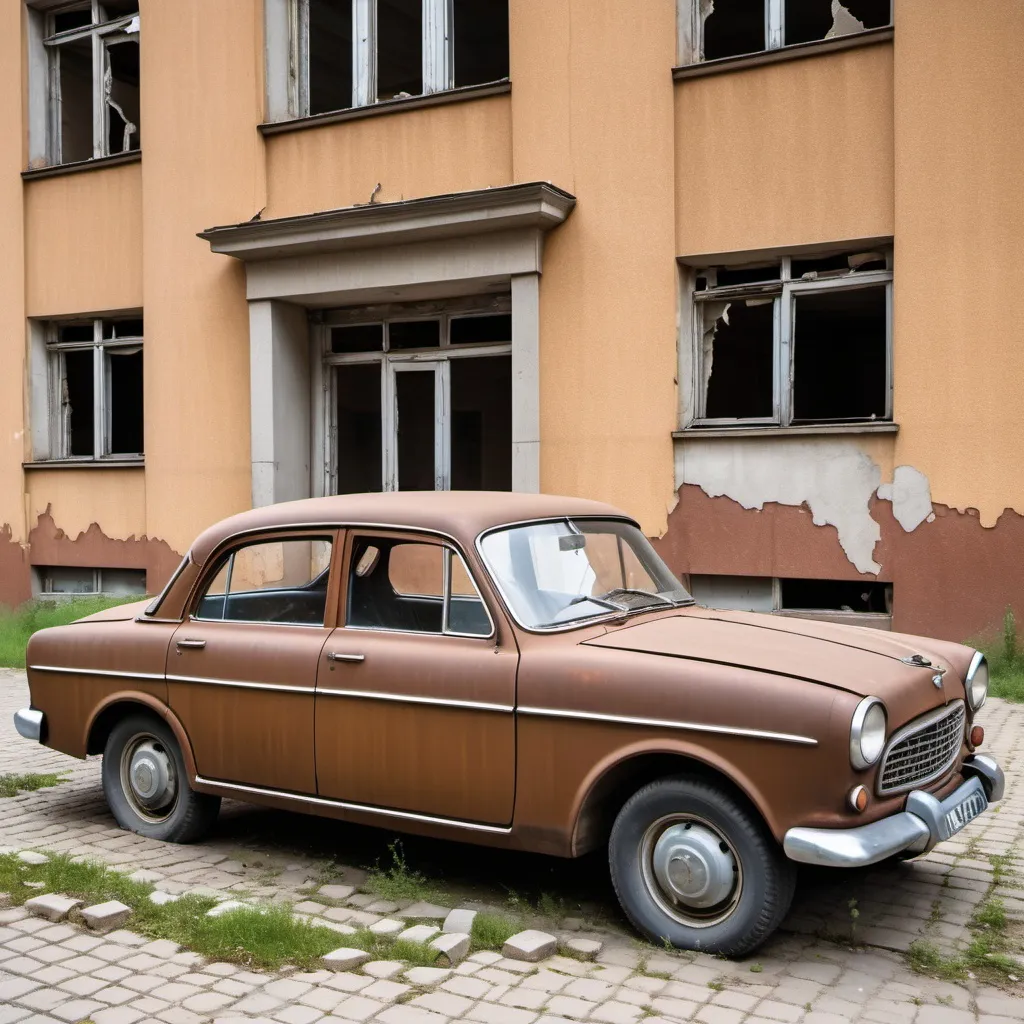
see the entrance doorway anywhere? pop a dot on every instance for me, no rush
(420, 397)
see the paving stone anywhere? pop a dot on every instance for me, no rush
(387, 926)
(83, 985)
(207, 1002)
(76, 1009)
(568, 1006)
(385, 991)
(427, 976)
(161, 898)
(445, 1003)
(105, 917)
(423, 911)
(531, 946)
(52, 906)
(495, 1013)
(82, 943)
(118, 1015)
(459, 920)
(31, 857)
(142, 875)
(336, 892)
(383, 968)
(614, 1012)
(471, 988)
(418, 933)
(226, 907)
(344, 959)
(452, 947)
(586, 949)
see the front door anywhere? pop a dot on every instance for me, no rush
(241, 669)
(416, 693)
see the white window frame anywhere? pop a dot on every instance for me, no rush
(59, 420)
(45, 582)
(690, 26)
(783, 291)
(435, 360)
(102, 34)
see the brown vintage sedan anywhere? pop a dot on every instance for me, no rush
(520, 671)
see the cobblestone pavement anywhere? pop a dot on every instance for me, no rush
(824, 967)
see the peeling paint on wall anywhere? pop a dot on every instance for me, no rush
(911, 497)
(834, 479)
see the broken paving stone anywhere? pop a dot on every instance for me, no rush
(387, 926)
(31, 857)
(226, 907)
(427, 977)
(105, 917)
(531, 946)
(162, 898)
(52, 906)
(452, 946)
(420, 933)
(425, 912)
(585, 949)
(459, 921)
(344, 959)
(383, 969)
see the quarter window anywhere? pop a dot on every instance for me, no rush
(281, 581)
(413, 586)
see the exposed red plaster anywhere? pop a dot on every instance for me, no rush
(15, 581)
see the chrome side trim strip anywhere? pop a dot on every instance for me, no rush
(241, 684)
(320, 801)
(658, 723)
(402, 698)
(96, 672)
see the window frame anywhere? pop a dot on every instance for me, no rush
(690, 32)
(356, 534)
(102, 408)
(98, 572)
(783, 291)
(51, 41)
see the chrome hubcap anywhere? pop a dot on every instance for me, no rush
(148, 777)
(691, 870)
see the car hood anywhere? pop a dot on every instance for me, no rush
(857, 659)
(119, 613)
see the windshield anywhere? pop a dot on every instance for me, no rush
(558, 573)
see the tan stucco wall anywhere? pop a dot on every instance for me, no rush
(959, 339)
(202, 165)
(786, 154)
(96, 212)
(591, 92)
(432, 151)
(76, 499)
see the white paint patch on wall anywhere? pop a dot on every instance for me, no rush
(835, 479)
(911, 497)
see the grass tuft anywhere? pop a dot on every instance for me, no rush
(1005, 660)
(18, 624)
(12, 785)
(991, 914)
(399, 883)
(492, 931)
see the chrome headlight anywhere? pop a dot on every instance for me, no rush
(976, 683)
(867, 733)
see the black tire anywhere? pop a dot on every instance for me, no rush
(177, 814)
(763, 879)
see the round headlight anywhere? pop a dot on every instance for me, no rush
(976, 683)
(867, 733)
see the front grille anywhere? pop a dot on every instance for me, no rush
(922, 751)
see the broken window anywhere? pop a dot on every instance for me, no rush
(731, 28)
(811, 346)
(352, 53)
(96, 370)
(93, 52)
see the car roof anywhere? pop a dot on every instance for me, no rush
(462, 514)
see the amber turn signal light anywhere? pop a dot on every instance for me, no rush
(858, 798)
(977, 736)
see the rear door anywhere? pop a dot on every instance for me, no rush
(241, 669)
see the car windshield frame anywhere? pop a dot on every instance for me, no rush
(600, 614)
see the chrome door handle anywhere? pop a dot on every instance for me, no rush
(197, 645)
(334, 656)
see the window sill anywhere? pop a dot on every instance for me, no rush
(84, 464)
(818, 47)
(813, 430)
(436, 99)
(95, 164)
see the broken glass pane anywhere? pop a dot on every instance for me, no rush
(399, 48)
(77, 403)
(747, 275)
(121, 91)
(124, 383)
(67, 20)
(481, 41)
(732, 27)
(75, 73)
(738, 359)
(809, 20)
(330, 55)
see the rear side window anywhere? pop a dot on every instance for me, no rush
(282, 581)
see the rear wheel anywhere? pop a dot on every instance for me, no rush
(693, 865)
(146, 784)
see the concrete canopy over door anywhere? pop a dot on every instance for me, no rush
(439, 247)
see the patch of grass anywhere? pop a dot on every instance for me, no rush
(990, 914)
(492, 931)
(551, 906)
(1005, 657)
(756, 968)
(983, 959)
(399, 883)
(12, 785)
(18, 624)
(715, 986)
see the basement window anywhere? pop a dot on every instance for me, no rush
(96, 389)
(353, 53)
(92, 53)
(863, 602)
(713, 29)
(74, 581)
(802, 341)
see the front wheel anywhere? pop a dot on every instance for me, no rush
(693, 866)
(146, 784)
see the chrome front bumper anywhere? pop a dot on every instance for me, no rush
(917, 828)
(30, 723)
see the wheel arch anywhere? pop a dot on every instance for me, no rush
(616, 778)
(117, 706)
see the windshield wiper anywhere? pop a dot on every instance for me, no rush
(580, 598)
(639, 593)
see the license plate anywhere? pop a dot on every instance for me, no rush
(964, 812)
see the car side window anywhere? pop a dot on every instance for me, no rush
(413, 586)
(281, 581)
